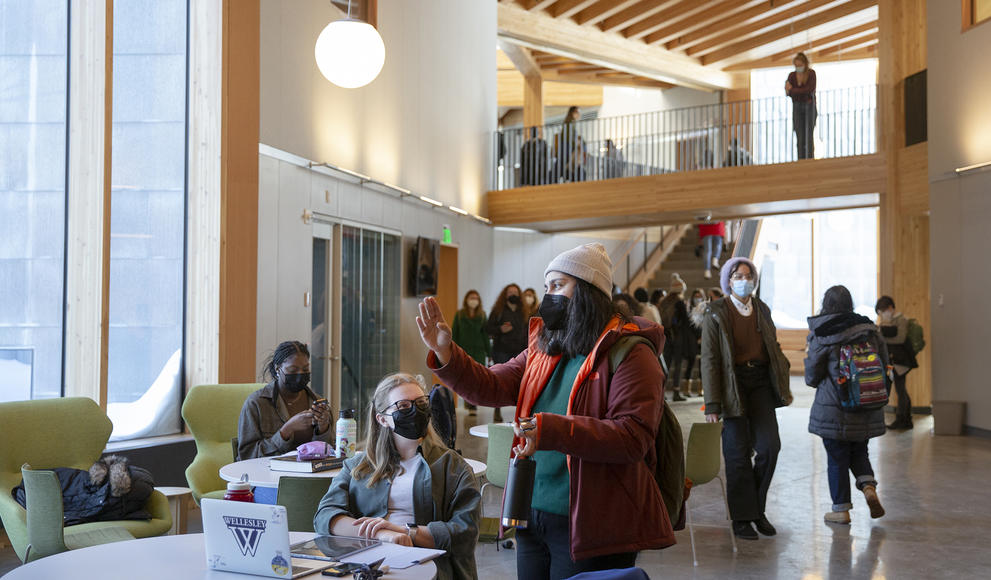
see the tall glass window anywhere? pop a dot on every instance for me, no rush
(33, 103)
(801, 255)
(147, 217)
(370, 286)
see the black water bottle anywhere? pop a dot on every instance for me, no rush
(519, 492)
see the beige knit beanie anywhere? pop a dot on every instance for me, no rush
(590, 263)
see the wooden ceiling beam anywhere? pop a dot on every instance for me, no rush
(700, 21)
(537, 5)
(602, 10)
(757, 24)
(674, 14)
(726, 23)
(521, 58)
(564, 37)
(635, 13)
(848, 46)
(782, 58)
(567, 8)
(856, 47)
(789, 29)
(595, 79)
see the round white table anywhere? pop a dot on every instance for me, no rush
(483, 430)
(158, 558)
(260, 475)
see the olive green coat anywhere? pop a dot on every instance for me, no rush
(722, 395)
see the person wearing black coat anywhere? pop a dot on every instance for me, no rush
(508, 328)
(844, 433)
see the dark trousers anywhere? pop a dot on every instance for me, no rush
(544, 551)
(755, 434)
(803, 118)
(843, 457)
(903, 412)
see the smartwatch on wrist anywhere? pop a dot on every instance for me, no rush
(411, 531)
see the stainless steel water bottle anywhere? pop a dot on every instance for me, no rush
(519, 492)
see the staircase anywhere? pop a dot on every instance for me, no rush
(683, 261)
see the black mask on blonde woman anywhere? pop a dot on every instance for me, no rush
(412, 423)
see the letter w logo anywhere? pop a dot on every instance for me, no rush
(247, 533)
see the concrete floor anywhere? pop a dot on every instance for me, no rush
(933, 488)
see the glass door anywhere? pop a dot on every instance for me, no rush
(321, 319)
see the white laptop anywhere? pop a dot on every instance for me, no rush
(251, 538)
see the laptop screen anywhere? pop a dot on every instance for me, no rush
(332, 548)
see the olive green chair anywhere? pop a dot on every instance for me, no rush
(301, 496)
(496, 472)
(702, 466)
(45, 517)
(63, 432)
(211, 413)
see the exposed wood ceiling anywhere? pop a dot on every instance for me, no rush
(708, 44)
(556, 94)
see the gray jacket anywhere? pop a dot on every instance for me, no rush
(262, 416)
(722, 395)
(828, 419)
(445, 500)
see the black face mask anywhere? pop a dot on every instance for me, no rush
(295, 383)
(412, 423)
(554, 311)
(514, 300)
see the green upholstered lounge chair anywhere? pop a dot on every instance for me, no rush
(301, 496)
(64, 432)
(211, 413)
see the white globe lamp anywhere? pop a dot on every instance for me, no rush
(350, 53)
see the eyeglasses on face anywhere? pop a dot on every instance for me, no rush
(406, 404)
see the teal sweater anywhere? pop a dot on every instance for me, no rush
(469, 334)
(552, 484)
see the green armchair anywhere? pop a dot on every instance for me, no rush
(211, 412)
(65, 432)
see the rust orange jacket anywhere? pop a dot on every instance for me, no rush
(608, 433)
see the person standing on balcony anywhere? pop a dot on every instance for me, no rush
(745, 377)
(711, 236)
(801, 87)
(533, 159)
(569, 149)
(508, 328)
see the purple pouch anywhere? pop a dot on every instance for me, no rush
(314, 450)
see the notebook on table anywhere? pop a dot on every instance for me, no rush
(251, 538)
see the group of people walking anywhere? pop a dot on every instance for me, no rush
(590, 422)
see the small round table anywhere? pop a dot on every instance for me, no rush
(158, 558)
(266, 480)
(483, 430)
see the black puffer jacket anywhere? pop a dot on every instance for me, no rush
(828, 419)
(96, 500)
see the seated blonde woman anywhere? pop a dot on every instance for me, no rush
(406, 487)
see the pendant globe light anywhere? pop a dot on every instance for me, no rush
(350, 53)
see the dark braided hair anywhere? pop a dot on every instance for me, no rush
(279, 356)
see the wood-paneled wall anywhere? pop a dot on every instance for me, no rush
(904, 235)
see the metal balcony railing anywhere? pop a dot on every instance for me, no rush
(755, 132)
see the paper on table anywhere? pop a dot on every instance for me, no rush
(396, 557)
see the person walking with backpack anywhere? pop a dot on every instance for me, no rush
(847, 364)
(895, 330)
(745, 377)
(591, 426)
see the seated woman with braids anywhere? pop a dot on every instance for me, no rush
(285, 413)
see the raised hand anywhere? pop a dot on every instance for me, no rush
(434, 330)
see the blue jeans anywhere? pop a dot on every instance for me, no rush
(844, 456)
(712, 247)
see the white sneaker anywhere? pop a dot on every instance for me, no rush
(715, 263)
(707, 274)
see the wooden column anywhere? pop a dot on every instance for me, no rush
(88, 256)
(239, 193)
(533, 100)
(904, 231)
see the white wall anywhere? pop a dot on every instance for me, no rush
(960, 241)
(424, 123)
(618, 101)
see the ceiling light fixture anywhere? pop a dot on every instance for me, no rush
(349, 53)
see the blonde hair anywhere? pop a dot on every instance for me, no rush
(381, 458)
(801, 56)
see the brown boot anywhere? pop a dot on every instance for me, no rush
(870, 494)
(841, 517)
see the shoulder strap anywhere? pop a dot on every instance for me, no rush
(617, 354)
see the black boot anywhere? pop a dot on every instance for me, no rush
(744, 530)
(677, 396)
(763, 526)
